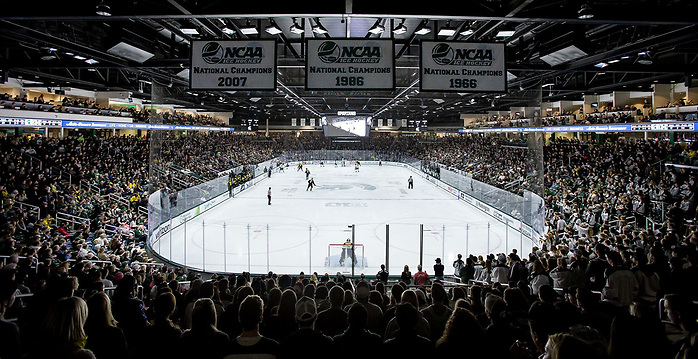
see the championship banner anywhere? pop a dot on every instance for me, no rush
(452, 66)
(233, 65)
(357, 64)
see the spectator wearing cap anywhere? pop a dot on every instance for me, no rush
(306, 313)
(346, 343)
(438, 270)
(251, 343)
(333, 321)
(406, 342)
(375, 313)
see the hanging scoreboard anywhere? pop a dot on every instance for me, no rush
(243, 65)
(350, 64)
(452, 66)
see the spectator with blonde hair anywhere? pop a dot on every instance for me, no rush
(64, 331)
(104, 338)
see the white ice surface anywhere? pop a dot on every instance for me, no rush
(293, 233)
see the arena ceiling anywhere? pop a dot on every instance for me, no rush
(652, 41)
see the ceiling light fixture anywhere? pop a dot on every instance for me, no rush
(644, 58)
(447, 30)
(319, 29)
(400, 28)
(295, 28)
(585, 12)
(189, 31)
(467, 32)
(601, 65)
(228, 31)
(91, 61)
(102, 9)
(78, 57)
(248, 29)
(377, 29)
(48, 53)
(273, 29)
(423, 30)
(505, 33)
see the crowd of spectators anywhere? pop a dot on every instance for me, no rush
(592, 287)
(88, 107)
(66, 105)
(178, 118)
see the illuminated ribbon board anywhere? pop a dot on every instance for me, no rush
(139, 126)
(350, 64)
(640, 127)
(233, 65)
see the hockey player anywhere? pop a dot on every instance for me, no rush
(307, 173)
(300, 166)
(346, 251)
(410, 183)
(356, 166)
(269, 196)
(311, 184)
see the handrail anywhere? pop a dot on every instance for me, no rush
(93, 188)
(31, 158)
(31, 207)
(113, 197)
(73, 220)
(34, 264)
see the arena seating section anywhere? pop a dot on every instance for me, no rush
(595, 283)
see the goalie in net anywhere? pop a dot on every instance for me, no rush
(340, 255)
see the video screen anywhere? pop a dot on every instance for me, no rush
(337, 126)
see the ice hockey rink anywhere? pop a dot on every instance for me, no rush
(303, 230)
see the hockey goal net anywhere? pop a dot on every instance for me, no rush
(339, 255)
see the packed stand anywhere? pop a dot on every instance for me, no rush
(591, 289)
(67, 105)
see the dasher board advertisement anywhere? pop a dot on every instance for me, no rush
(352, 64)
(452, 66)
(233, 65)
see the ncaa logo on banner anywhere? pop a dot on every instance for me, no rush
(330, 52)
(443, 54)
(214, 53)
